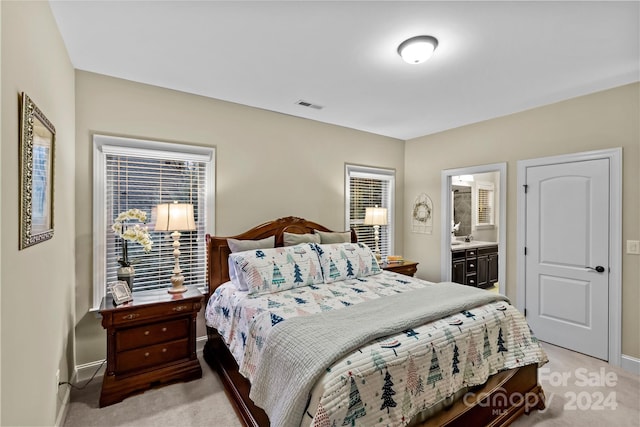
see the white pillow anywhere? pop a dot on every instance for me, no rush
(233, 277)
(341, 261)
(264, 271)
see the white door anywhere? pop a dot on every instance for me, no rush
(567, 254)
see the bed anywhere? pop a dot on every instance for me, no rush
(475, 366)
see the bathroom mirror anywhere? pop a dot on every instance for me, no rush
(474, 205)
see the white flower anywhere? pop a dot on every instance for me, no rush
(135, 233)
(136, 214)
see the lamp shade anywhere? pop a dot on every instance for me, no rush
(375, 216)
(175, 217)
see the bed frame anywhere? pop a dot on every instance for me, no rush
(503, 398)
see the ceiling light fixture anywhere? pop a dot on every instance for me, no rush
(417, 49)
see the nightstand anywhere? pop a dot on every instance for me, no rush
(151, 341)
(408, 268)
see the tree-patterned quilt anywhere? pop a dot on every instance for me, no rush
(390, 380)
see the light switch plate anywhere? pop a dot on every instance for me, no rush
(633, 247)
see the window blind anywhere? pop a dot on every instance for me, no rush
(369, 188)
(142, 182)
(485, 206)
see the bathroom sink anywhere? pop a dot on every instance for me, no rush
(474, 244)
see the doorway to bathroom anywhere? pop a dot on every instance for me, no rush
(473, 244)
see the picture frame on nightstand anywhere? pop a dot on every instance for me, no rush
(120, 292)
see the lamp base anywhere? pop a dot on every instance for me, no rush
(177, 280)
(177, 286)
(376, 235)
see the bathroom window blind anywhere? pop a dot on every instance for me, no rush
(484, 205)
(143, 174)
(370, 187)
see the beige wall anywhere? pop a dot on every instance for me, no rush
(38, 283)
(269, 165)
(602, 120)
(0, 219)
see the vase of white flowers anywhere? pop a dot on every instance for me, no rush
(130, 232)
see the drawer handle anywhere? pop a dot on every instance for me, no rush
(471, 265)
(130, 316)
(180, 308)
(146, 332)
(146, 354)
(164, 329)
(164, 350)
(471, 281)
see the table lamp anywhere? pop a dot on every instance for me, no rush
(376, 216)
(175, 217)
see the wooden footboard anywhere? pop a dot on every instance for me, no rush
(503, 398)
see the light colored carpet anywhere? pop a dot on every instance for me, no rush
(593, 393)
(203, 402)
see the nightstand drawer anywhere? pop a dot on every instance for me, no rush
(135, 314)
(151, 334)
(153, 355)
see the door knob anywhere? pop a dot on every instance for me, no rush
(598, 268)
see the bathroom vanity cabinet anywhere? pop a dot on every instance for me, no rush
(487, 266)
(475, 266)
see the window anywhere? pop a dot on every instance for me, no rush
(369, 187)
(484, 204)
(131, 173)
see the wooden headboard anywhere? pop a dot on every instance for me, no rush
(218, 250)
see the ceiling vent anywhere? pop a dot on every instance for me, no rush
(309, 104)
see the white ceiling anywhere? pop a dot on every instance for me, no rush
(493, 58)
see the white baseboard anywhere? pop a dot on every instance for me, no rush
(86, 370)
(64, 404)
(630, 364)
(200, 342)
